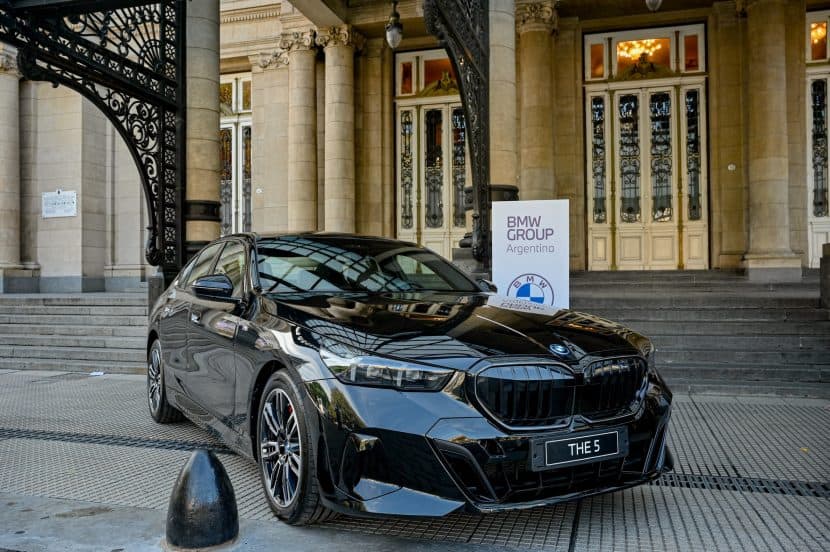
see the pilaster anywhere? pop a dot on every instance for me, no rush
(9, 167)
(202, 144)
(770, 256)
(503, 116)
(339, 44)
(535, 23)
(302, 129)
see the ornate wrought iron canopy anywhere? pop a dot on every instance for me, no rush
(128, 58)
(462, 26)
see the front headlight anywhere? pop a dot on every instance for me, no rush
(375, 371)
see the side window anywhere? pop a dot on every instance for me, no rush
(232, 264)
(202, 264)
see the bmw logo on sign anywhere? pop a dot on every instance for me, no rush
(531, 287)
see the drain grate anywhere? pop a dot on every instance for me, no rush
(745, 484)
(166, 444)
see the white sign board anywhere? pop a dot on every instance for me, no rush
(59, 204)
(530, 251)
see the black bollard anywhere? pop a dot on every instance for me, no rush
(202, 510)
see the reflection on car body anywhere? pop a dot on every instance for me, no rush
(370, 376)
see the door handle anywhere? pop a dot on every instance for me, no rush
(195, 317)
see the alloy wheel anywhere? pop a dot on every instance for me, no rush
(280, 447)
(154, 379)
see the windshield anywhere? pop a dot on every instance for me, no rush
(338, 264)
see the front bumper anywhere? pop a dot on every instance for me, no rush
(428, 454)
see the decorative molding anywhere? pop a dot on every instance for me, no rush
(298, 40)
(8, 62)
(250, 14)
(536, 16)
(270, 60)
(340, 35)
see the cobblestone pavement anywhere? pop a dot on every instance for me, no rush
(752, 473)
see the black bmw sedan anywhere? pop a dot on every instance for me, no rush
(370, 376)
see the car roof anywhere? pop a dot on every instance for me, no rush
(327, 236)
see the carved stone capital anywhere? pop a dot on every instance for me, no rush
(8, 62)
(298, 40)
(536, 16)
(341, 35)
(270, 60)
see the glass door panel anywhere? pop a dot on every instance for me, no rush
(818, 212)
(644, 206)
(431, 175)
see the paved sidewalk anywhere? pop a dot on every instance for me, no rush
(83, 467)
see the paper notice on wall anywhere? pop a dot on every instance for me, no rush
(59, 204)
(531, 251)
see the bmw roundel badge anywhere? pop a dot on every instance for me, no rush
(558, 349)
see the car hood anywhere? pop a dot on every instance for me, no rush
(452, 329)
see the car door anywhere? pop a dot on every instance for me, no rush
(173, 319)
(210, 339)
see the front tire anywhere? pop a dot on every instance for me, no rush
(161, 410)
(287, 454)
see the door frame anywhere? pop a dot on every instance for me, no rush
(690, 239)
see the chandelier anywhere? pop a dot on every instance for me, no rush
(818, 31)
(634, 49)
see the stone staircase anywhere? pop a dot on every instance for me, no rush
(87, 332)
(716, 332)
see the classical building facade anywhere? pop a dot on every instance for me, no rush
(692, 137)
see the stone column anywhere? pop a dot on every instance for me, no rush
(202, 178)
(503, 136)
(770, 256)
(370, 184)
(535, 22)
(9, 166)
(339, 44)
(302, 130)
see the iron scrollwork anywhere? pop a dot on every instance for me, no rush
(129, 62)
(462, 27)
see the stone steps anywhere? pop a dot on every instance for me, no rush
(90, 332)
(73, 319)
(72, 353)
(108, 367)
(708, 315)
(716, 332)
(731, 327)
(85, 341)
(69, 330)
(96, 310)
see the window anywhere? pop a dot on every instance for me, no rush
(232, 264)
(300, 264)
(203, 264)
(644, 53)
(235, 153)
(817, 37)
(427, 73)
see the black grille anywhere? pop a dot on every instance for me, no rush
(610, 388)
(527, 395)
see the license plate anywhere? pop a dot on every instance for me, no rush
(579, 449)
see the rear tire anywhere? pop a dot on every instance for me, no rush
(287, 454)
(161, 410)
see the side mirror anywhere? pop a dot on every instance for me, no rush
(487, 285)
(217, 287)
